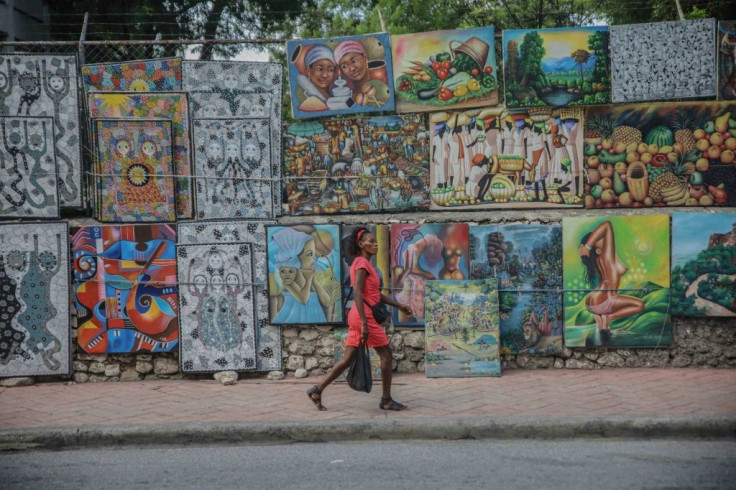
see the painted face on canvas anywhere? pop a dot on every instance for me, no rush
(148, 148)
(216, 261)
(322, 73)
(123, 148)
(56, 83)
(232, 150)
(306, 258)
(210, 110)
(231, 81)
(354, 66)
(214, 150)
(288, 275)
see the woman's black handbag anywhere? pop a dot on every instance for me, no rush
(380, 312)
(359, 375)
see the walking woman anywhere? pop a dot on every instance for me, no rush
(362, 327)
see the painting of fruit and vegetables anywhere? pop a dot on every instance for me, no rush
(356, 165)
(669, 154)
(616, 279)
(445, 69)
(557, 67)
(494, 158)
(663, 60)
(704, 264)
(526, 259)
(461, 330)
(727, 60)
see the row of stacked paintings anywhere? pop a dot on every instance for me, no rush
(455, 69)
(592, 282)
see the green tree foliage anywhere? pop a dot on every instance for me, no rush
(581, 57)
(598, 44)
(530, 59)
(512, 62)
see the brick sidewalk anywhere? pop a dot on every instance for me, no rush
(541, 393)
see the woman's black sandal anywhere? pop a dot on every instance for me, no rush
(391, 404)
(315, 394)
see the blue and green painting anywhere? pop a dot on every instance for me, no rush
(461, 329)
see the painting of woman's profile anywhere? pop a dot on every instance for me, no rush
(340, 75)
(304, 274)
(616, 280)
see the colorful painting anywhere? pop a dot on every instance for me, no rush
(423, 253)
(727, 60)
(304, 274)
(669, 154)
(172, 106)
(557, 67)
(125, 288)
(268, 337)
(494, 158)
(362, 165)
(232, 167)
(340, 75)
(217, 307)
(663, 60)
(617, 281)
(461, 329)
(704, 264)
(340, 335)
(156, 75)
(46, 85)
(240, 89)
(34, 294)
(134, 164)
(28, 173)
(526, 260)
(442, 70)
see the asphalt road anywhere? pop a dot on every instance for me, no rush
(600, 464)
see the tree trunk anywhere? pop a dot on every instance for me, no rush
(212, 22)
(582, 80)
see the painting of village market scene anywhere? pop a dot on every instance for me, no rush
(727, 60)
(461, 329)
(442, 70)
(557, 67)
(704, 264)
(340, 75)
(668, 154)
(494, 158)
(356, 165)
(527, 262)
(616, 278)
(421, 254)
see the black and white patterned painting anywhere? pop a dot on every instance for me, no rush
(46, 85)
(217, 314)
(34, 299)
(232, 168)
(268, 337)
(239, 89)
(663, 60)
(28, 168)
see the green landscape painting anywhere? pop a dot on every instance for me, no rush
(704, 264)
(557, 67)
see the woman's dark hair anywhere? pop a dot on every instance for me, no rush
(591, 274)
(355, 237)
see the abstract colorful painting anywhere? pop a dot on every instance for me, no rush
(526, 260)
(423, 253)
(340, 75)
(461, 329)
(126, 292)
(667, 154)
(441, 70)
(304, 274)
(557, 67)
(360, 165)
(46, 85)
(34, 294)
(616, 275)
(663, 60)
(134, 165)
(232, 168)
(494, 158)
(133, 76)
(172, 106)
(217, 307)
(268, 337)
(28, 173)
(727, 60)
(241, 89)
(340, 335)
(704, 264)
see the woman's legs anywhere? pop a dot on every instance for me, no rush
(315, 393)
(623, 307)
(387, 403)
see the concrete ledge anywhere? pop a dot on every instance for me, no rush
(357, 430)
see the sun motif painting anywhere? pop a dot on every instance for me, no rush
(133, 76)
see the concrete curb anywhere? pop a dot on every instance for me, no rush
(358, 430)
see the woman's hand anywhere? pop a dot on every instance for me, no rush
(584, 251)
(405, 309)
